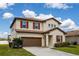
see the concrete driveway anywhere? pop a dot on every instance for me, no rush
(39, 51)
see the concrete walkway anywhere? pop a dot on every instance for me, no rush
(3, 42)
(39, 51)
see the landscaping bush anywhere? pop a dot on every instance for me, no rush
(16, 43)
(74, 43)
(10, 44)
(58, 44)
(63, 44)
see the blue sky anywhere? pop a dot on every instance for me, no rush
(68, 14)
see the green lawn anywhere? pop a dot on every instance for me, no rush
(72, 49)
(6, 51)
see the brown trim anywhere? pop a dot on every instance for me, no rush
(39, 32)
(72, 35)
(33, 24)
(32, 19)
(39, 25)
(27, 24)
(32, 37)
(12, 22)
(21, 24)
(28, 31)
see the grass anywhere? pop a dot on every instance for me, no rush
(71, 49)
(3, 39)
(6, 51)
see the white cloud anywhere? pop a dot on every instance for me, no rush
(32, 14)
(44, 16)
(4, 34)
(10, 4)
(5, 5)
(69, 25)
(57, 5)
(7, 15)
(59, 19)
(29, 13)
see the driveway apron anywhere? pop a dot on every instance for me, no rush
(39, 51)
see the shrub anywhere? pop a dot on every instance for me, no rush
(58, 45)
(63, 44)
(74, 43)
(16, 43)
(10, 44)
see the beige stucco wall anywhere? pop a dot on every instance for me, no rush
(28, 35)
(54, 34)
(43, 25)
(13, 32)
(72, 39)
(51, 21)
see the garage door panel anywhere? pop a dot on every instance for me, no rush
(31, 41)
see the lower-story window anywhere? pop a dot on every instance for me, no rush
(59, 38)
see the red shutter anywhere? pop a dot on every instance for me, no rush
(21, 24)
(33, 25)
(26, 24)
(39, 25)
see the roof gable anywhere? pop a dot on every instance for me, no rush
(53, 19)
(55, 29)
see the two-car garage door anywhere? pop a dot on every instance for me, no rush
(31, 41)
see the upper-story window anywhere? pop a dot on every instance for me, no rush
(54, 26)
(51, 25)
(24, 24)
(36, 25)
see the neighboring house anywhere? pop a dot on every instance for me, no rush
(72, 36)
(36, 32)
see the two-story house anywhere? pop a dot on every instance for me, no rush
(36, 32)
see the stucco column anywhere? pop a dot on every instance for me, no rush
(54, 40)
(43, 42)
(46, 40)
(63, 38)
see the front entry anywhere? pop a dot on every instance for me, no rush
(50, 41)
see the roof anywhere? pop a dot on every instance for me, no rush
(73, 33)
(55, 29)
(40, 32)
(32, 19)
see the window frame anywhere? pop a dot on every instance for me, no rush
(24, 24)
(59, 38)
(36, 25)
